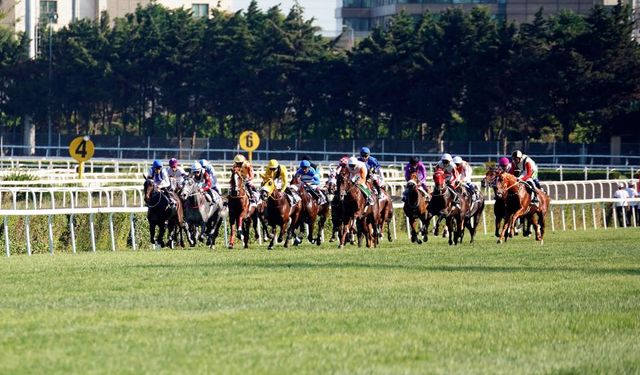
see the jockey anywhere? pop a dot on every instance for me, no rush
(505, 166)
(373, 168)
(311, 179)
(465, 171)
(277, 173)
(343, 163)
(452, 176)
(175, 172)
(202, 178)
(315, 166)
(246, 172)
(529, 172)
(358, 174)
(161, 180)
(415, 166)
(212, 174)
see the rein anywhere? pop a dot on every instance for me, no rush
(159, 199)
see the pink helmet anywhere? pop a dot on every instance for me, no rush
(344, 160)
(503, 162)
(173, 162)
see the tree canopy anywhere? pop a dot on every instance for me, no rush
(454, 75)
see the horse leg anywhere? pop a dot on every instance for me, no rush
(321, 222)
(232, 236)
(273, 236)
(541, 227)
(246, 227)
(152, 232)
(161, 230)
(412, 228)
(312, 223)
(345, 228)
(449, 224)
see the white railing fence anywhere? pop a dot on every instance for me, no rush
(566, 215)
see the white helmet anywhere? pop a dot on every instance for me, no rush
(517, 154)
(197, 166)
(457, 160)
(447, 157)
(353, 161)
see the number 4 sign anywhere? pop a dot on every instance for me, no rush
(81, 149)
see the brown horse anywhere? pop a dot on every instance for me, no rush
(385, 205)
(441, 205)
(241, 213)
(279, 213)
(310, 209)
(355, 211)
(498, 208)
(336, 206)
(517, 201)
(416, 206)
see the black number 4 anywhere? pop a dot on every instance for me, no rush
(82, 149)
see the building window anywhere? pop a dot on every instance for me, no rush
(200, 10)
(49, 8)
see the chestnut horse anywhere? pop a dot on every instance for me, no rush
(517, 201)
(310, 209)
(441, 205)
(355, 211)
(241, 213)
(415, 207)
(498, 208)
(279, 213)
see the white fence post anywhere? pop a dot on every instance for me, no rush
(6, 237)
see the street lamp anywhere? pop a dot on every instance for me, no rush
(52, 17)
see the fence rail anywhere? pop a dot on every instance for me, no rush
(576, 209)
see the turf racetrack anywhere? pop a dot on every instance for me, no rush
(572, 306)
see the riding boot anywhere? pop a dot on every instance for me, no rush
(456, 198)
(321, 198)
(370, 200)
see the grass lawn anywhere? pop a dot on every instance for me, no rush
(571, 306)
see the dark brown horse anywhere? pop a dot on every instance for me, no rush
(310, 209)
(441, 205)
(241, 213)
(416, 207)
(160, 212)
(518, 204)
(279, 213)
(355, 211)
(498, 208)
(385, 205)
(336, 206)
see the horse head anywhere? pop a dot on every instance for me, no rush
(148, 188)
(236, 185)
(506, 183)
(188, 186)
(490, 177)
(332, 182)
(268, 189)
(412, 183)
(439, 179)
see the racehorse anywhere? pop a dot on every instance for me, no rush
(385, 205)
(241, 213)
(416, 206)
(310, 209)
(159, 212)
(517, 201)
(441, 205)
(331, 188)
(279, 212)
(200, 213)
(499, 206)
(355, 210)
(474, 211)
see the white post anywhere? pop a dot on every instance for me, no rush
(593, 216)
(624, 217)
(6, 237)
(72, 232)
(226, 235)
(395, 233)
(133, 232)
(484, 222)
(564, 224)
(113, 239)
(408, 229)
(50, 235)
(553, 225)
(28, 234)
(92, 232)
(573, 215)
(584, 220)
(615, 216)
(604, 217)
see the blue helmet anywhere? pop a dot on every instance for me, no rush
(305, 164)
(157, 164)
(365, 151)
(204, 163)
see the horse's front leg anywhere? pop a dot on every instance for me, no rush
(161, 230)
(152, 233)
(412, 229)
(232, 236)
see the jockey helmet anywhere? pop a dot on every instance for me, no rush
(273, 164)
(344, 160)
(239, 159)
(173, 162)
(352, 162)
(457, 160)
(621, 185)
(517, 154)
(447, 157)
(305, 164)
(503, 162)
(365, 151)
(204, 163)
(197, 167)
(414, 160)
(157, 164)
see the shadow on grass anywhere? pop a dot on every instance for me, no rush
(420, 268)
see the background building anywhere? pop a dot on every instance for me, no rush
(26, 15)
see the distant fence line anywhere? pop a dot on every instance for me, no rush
(135, 147)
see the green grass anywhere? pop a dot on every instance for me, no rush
(571, 306)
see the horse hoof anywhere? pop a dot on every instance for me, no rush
(270, 248)
(341, 247)
(418, 241)
(499, 241)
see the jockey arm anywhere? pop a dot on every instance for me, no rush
(162, 180)
(527, 172)
(205, 184)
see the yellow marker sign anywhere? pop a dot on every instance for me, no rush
(249, 141)
(81, 149)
